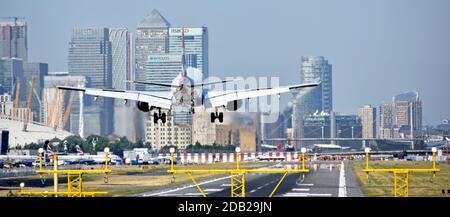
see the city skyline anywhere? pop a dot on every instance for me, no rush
(386, 47)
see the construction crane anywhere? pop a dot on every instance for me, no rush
(16, 101)
(52, 109)
(69, 108)
(28, 111)
(61, 105)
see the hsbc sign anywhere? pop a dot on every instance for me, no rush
(187, 31)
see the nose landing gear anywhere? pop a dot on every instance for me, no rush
(159, 116)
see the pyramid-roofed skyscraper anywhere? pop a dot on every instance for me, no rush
(154, 20)
(151, 38)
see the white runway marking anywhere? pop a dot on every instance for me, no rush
(342, 186)
(186, 187)
(301, 189)
(213, 189)
(306, 184)
(225, 185)
(253, 191)
(193, 194)
(293, 194)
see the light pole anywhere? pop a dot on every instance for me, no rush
(434, 150)
(303, 150)
(322, 132)
(22, 186)
(367, 150)
(238, 157)
(353, 135)
(106, 150)
(172, 151)
(41, 151)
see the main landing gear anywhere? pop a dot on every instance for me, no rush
(159, 116)
(216, 115)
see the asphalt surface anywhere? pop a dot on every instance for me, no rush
(325, 179)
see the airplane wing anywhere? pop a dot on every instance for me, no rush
(153, 100)
(221, 99)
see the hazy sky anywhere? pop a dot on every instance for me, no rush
(377, 48)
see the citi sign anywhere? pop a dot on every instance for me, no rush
(158, 58)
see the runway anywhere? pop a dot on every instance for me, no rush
(325, 179)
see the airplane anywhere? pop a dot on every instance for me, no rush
(184, 94)
(81, 158)
(18, 160)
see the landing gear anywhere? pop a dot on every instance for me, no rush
(218, 115)
(159, 116)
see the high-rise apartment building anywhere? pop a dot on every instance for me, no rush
(386, 121)
(13, 38)
(368, 116)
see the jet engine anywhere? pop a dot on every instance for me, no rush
(234, 105)
(143, 106)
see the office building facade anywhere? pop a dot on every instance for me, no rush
(408, 110)
(195, 43)
(122, 70)
(312, 100)
(11, 71)
(90, 56)
(38, 71)
(151, 38)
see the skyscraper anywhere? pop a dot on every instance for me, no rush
(121, 52)
(317, 99)
(386, 120)
(90, 56)
(151, 38)
(368, 117)
(122, 69)
(11, 71)
(313, 69)
(38, 71)
(404, 104)
(13, 38)
(195, 42)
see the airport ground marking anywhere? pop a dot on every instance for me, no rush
(238, 182)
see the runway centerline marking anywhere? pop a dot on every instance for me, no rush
(342, 186)
(301, 189)
(294, 194)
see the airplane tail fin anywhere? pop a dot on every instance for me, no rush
(79, 150)
(50, 152)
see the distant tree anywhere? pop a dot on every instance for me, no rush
(139, 144)
(32, 146)
(72, 141)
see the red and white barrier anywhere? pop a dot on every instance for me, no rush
(227, 157)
